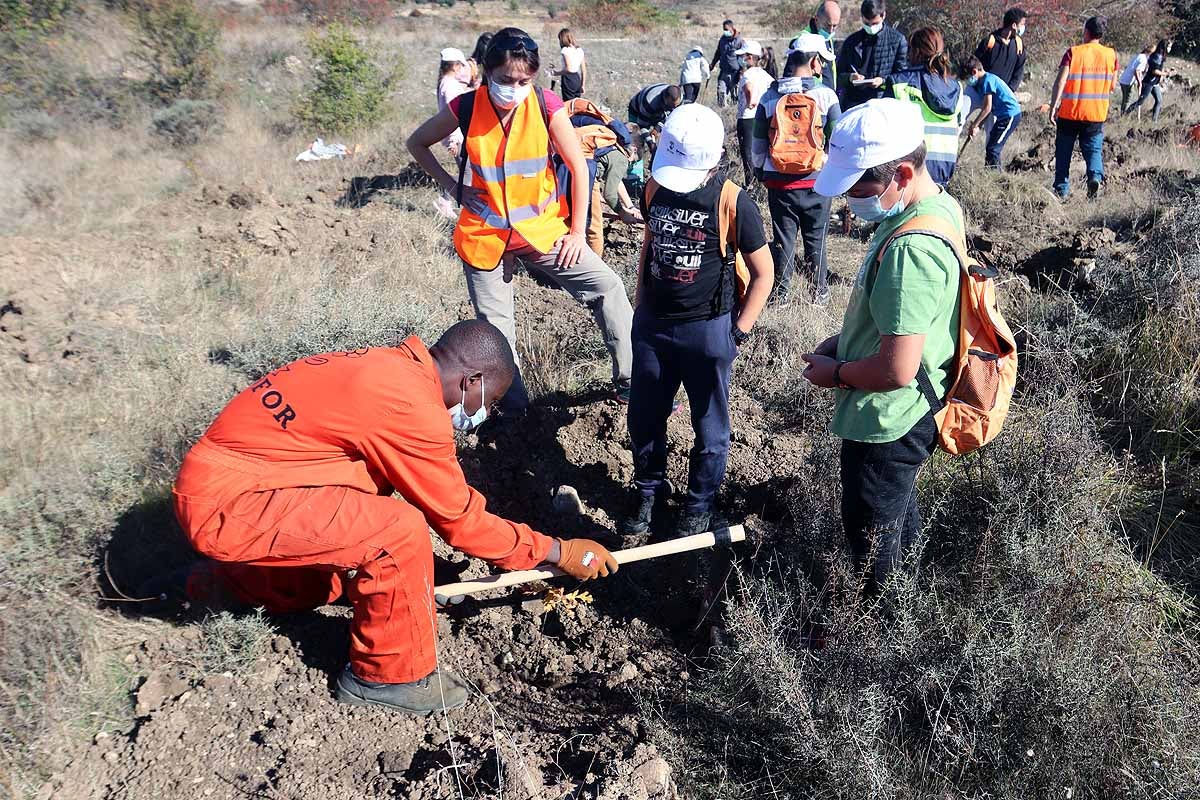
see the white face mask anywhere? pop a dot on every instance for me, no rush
(873, 30)
(461, 420)
(1021, 29)
(508, 96)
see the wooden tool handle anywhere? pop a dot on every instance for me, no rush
(734, 533)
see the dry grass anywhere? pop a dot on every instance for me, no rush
(165, 322)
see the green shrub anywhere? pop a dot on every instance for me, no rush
(620, 15)
(177, 46)
(349, 90)
(186, 122)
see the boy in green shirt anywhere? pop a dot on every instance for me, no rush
(899, 334)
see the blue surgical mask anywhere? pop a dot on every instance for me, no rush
(507, 96)
(1021, 29)
(726, 33)
(869, 209)
(461, 420)
(971, 81)
(873, 30)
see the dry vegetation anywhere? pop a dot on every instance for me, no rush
(1048, 647)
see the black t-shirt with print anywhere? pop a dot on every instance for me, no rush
(686, 278)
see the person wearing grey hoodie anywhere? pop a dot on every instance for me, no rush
(693, 74)
(796, 208)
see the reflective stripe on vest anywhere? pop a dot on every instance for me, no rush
(1090, 79)
(941, 130)
(520, 192)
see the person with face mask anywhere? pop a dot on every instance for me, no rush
(999, 100)
(730, 63)
(514, 210)
(869, 56)
(454, 78)
(824, 23)
(1156, 70)
(1002, 52)
(289, 496)
(891, 362)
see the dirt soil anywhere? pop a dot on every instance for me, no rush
(560, 693)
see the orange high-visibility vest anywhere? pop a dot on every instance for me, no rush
(1090, 79)
(513, 169)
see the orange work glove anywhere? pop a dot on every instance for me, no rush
(585, 559)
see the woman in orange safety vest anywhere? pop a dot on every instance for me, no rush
(512, 207)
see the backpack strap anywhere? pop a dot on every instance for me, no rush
(939, 228)
(648, 194)
(1020, 44)
(466, 107)
(727, 218)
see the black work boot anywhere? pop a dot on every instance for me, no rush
(1093, 189)
(692, 522)
(641, 517)
(440, 689)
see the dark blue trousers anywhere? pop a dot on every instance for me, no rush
(698, 355)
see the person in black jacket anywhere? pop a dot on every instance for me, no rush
(869, 56)
(731, 67)
(1002, 52)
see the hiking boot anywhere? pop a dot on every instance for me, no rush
(692, 522)
(441, 689)
(1093, 189)
(621, 392)
(643, 509)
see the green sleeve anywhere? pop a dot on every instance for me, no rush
(911, 287)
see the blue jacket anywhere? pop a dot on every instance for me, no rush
(940, 94)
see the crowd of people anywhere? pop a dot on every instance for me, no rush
(289, 491)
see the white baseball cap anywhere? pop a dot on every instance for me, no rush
(453, 54)
(874, 133)
(693, 138)
(750, 48)
(811, 43)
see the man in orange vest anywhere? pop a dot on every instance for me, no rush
(1086, 79)
(289, 492)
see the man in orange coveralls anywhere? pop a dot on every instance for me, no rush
(290, 491)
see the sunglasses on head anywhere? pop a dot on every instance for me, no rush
(510, 42)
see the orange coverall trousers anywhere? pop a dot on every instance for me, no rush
(299, 548)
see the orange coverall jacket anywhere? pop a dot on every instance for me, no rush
(298, 471)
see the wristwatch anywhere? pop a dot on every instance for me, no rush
(837, 376)
(739, 335)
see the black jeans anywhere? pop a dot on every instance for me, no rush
(879, 499)
(745, 134)
(690, 92)
(803, 212)
(697, 354)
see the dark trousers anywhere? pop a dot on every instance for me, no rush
(690, 92)
(805, 212)
(1002, 128)
(727, 87)
(745, 134)
(879, 499)
(1090, 136)
(697, 354)
(1148, 91)
(1126, 88)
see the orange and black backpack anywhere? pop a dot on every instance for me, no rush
(727, 227)
(797, 135)
(985, 364)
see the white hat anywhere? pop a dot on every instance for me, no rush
(750, 48)
(696, 49)
(453, 54)
(811, 43)
(693, 138)
(874, 133)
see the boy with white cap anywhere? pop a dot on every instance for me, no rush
(891, 361)
(787, 150)
(691, 313)
(754, 82)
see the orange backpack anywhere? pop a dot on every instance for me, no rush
(985, 365)
(727, 227)
(797, 137)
